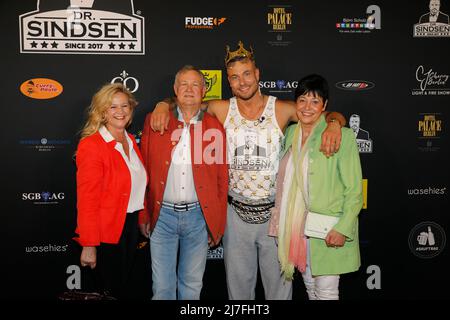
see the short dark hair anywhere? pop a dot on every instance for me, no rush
(314, 83)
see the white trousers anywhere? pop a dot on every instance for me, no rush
(319, 287)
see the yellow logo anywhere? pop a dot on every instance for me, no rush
(279, 19)
(365, 185)
(429, 126)
(213, 84)
(41, 88)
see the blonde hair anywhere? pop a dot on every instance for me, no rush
(101, 101)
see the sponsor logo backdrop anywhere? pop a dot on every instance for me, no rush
(388, 73)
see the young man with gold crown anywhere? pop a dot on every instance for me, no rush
(252, 121)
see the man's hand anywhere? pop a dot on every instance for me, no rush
(331, 139)
(144, 228)
(159, 120)
(89, 257)
(335, 239)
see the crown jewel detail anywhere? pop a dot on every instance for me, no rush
(240, 52)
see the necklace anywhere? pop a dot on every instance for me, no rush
(255, 116)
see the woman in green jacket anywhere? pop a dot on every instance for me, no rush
(308, 183)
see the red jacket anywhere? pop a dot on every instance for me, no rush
(211, 180)
(103, 190)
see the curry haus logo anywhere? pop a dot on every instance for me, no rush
(278, 86)
(215, 254)
(362, 136)
(41, 88)
(279, 20)
(434, 23)
(427, 240)
(203, 22)
(44, 144)
(429, 129)
(82, 27)
(213, 79)
(131, 83)
(362, 25)
(430, 83)
(44, 197)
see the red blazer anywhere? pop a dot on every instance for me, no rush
(103, 190)
(211, 180)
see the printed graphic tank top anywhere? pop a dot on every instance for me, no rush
(253, 153)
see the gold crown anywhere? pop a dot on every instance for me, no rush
(240, 52)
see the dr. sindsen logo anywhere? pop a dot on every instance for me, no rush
(82, 27)
(427, 240)
(433, 24)
(362, 136)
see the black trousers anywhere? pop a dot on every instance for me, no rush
(115, 261)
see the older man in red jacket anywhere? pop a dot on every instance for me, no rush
(186, 203)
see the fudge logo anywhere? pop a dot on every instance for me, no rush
(434, 23)
(213, 79)
(203, 22)
(41, 88)
(82, 27)
(427, 240)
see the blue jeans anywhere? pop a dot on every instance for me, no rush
(186, 230)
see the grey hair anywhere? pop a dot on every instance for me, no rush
(187, 68)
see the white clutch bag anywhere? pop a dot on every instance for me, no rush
(318, 225)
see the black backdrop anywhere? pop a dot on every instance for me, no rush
(376, 72)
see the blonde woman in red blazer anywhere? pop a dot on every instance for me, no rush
(111, 182)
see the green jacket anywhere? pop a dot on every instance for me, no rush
(335, 187)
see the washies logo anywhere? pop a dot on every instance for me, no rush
(84, 27)
(213, 80)
(41, 88)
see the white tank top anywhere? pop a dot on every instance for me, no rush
(253, 153)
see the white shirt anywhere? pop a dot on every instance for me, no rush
(136, 168)
(180, 187)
